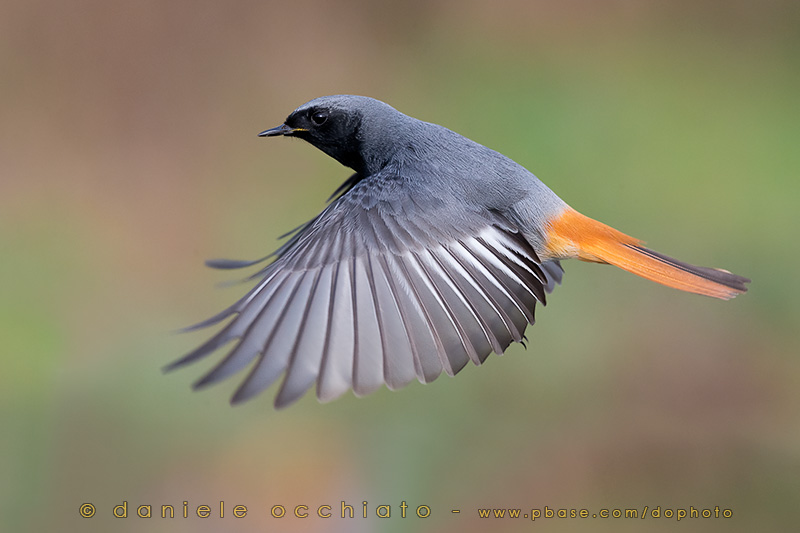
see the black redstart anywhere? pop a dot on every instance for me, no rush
(433, 254)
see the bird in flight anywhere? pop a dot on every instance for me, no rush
(434, 253)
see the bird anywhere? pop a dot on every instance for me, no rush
(431, 255)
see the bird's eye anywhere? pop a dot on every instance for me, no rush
(319, 117)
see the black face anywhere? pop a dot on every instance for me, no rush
(333, 131)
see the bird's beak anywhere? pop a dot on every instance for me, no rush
(283, 129)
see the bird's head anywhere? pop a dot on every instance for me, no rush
(351, 129)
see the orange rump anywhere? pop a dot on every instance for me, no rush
(573, 235)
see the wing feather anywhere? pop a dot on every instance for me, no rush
(458, 351)
(270, 322)
(368, 356)
(304, 359)
(373, 292)
(424, 343)
(469, 326)
(336, 367)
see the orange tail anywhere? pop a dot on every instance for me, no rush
(574, 235)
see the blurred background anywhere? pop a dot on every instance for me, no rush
(128, 156)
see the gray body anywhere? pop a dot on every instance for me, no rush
(414, 161)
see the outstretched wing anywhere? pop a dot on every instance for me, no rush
(383, 286)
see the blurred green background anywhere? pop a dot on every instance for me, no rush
(128, 155)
